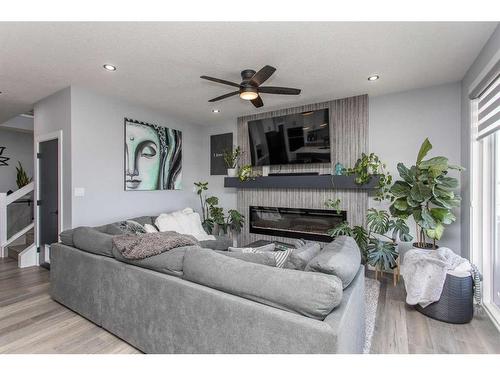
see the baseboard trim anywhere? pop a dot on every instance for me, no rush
(493, 313)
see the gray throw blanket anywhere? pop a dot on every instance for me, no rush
(140, 246)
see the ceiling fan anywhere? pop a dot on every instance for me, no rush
(250, 86)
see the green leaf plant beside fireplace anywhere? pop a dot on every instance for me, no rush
(213, 219)
(426, 193)
(378, 241)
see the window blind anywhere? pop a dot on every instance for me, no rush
(488, 120)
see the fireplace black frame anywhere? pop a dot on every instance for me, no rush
(295, 234)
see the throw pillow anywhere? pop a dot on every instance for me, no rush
(150, 228)
(185, 221)
(131, 227)
(280, 257)
(302, 255)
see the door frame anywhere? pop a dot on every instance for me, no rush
(58, 134)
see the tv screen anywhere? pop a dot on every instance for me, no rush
(301, 138)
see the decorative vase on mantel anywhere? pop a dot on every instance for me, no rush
(232, 172)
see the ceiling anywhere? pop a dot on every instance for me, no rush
(159, 64)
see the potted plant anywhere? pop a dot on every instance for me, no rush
(367, 166)
(22, 178)
(426, 193)
(231, 158)
(213, 219)
(378, 241)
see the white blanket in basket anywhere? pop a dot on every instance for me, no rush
(424, 273)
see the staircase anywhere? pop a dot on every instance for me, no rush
(19, 245)
(14, 250)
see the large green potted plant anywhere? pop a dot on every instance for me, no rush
(378, 241)
(427, 193)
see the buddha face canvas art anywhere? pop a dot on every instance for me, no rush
(153, 157)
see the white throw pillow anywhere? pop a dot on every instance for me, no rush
(150, 228)
(185, 221)
(166, 222)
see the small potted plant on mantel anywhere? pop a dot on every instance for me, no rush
(231, 158)
(426, 193)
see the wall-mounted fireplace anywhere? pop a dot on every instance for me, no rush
(309, 224)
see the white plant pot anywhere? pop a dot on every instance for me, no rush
(232, 172)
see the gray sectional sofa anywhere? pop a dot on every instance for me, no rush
(196, 300)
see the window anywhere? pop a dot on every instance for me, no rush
(485, 186)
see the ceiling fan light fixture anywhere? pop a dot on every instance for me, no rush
(215, 110)
(249, 95)
(373, 77)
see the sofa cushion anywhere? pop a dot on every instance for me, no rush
(93, 241)
(341, 258)
(266, 258)
(170, 262)
(307, 293)
(219, 243)
(299, 257)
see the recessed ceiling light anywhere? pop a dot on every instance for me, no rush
(373, 77)
(109, 67)
(215, 110)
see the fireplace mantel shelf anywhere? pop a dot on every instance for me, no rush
(300, 182)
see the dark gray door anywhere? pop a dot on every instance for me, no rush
(48, 193)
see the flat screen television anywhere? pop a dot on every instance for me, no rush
(302, 138)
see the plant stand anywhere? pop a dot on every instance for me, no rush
(396, 273)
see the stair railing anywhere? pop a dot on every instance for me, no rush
(5, 201)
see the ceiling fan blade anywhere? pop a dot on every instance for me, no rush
(278, 90)
(224, 82)
(262, 75)
(223, 96)
(257, 102)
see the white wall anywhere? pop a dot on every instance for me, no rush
(98, 161)
(19, 148)
(489, 53)
(400, 122)
(52, 114)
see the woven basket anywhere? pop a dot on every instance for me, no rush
(456, 302)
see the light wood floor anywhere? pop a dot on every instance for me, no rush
(30, 322)
(401, 329)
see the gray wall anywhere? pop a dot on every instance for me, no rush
(19, 148)
(400, 122)
(490, 52)
(216, 187)
(53, 113)
(97, 161)
(20, 123)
